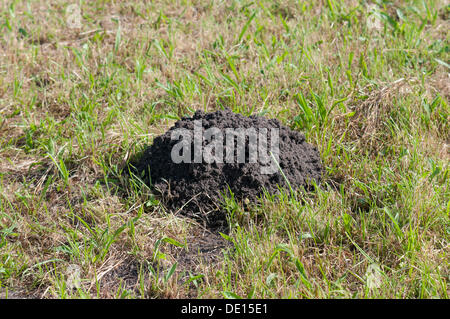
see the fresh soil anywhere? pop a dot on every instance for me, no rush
(195, 189)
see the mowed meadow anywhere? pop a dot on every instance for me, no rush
(85, 87)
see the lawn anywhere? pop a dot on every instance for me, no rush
(85, 86)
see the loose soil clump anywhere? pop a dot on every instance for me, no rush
(195, 187)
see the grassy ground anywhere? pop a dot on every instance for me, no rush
(367, 82)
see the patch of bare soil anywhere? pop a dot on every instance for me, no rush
(195, 187)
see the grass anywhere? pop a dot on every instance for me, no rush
(366, 82)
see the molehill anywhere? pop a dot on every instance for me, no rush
(195, 186)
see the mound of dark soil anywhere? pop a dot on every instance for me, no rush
(195, 189)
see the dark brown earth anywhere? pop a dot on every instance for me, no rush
(195, 189)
